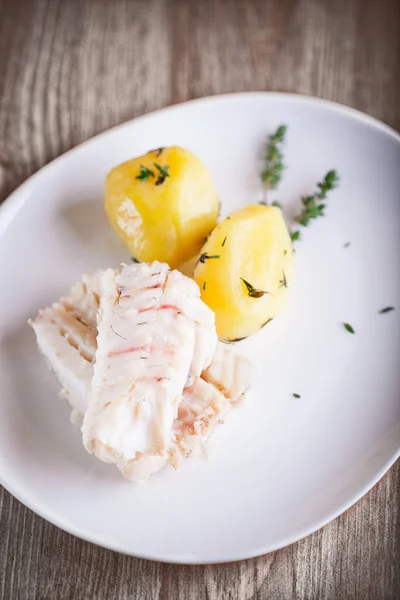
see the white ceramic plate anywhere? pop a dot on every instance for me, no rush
(282, 467)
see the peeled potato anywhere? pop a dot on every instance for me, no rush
(245, 270)
(162, 204)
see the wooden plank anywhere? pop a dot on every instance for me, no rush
(69, 70)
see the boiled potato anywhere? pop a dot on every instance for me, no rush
(245, 270)
(162, 204)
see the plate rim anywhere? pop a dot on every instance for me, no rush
(11, 206)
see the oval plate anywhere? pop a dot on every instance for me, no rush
(282, 466)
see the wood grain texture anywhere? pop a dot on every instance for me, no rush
(70, 69)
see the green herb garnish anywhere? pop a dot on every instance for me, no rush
(313, 205)
(283, 282)
(232, 340)
(386, 310)
(205, 256)
(116, 333)
(348, 327)
(145, 173)
(163, 173)
(252, 291)
(204, 285)
(274, 166)
(156, 151)
(277, 204)
(223, 243)
(296, 396)
(294, 235)
(266, 322)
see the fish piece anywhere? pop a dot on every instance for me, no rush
(66, 335)
(146, 343)
(202, 407)
(83, 299)
(230, 372)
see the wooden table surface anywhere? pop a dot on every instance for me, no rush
(70, 69)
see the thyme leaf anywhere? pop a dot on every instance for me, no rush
(266, 322)
(313, 207)
(283, 282)
(232, 340)
(205, 256)
(252, 291)
(145, 173)
(116, 333)
(386, 310)
(163, 173)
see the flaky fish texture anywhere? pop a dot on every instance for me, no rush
(146, 347)
(66, 334)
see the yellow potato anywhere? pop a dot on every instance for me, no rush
(245, 270)
(162, 204)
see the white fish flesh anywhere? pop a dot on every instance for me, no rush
(147, 347)
(66, 335)
(203, 405)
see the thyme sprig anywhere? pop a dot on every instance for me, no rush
(274, 166)
(314, 204)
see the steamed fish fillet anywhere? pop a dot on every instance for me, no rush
(229, 372)
(204, 405)
(66, 335)
(146, 348)
(201, 407)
